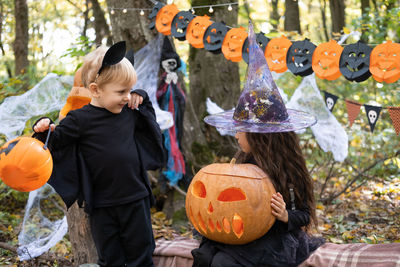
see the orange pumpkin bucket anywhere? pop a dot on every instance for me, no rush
(24, 164)
(230, 203)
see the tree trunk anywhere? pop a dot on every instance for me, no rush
(292, 16)
(131, 26)
(21, 36)
(83, 248)
(215, 77)
(364, 14)
(86, 19)
(323, 17)
(2, 17)
(274, 15)
(337, 15)
(100, 24)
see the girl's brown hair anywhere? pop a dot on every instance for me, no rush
(279, 155)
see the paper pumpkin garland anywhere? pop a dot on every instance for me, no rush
(262, 41)
(180, 23)
(299, 57)
(325, 60)
(354, 62)
(232, 46)
(153, 14)
(214, 37)
(24, 164)
(275, 54)
(230, 203)
(385, 62)
(196, 29)
(164, 18)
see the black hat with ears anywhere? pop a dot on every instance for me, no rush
(169, 52)
(113, 55)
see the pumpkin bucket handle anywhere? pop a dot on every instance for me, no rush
(47, 138)
(233, 161)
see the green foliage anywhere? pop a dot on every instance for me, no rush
(82, 47)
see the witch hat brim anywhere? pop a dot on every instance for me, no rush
(260, 107)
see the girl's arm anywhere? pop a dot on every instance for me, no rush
(294, 218)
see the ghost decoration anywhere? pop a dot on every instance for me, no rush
(372, 115)
(328, 132)
(330, 100)
(230, 203)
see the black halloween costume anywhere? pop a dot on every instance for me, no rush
(100, 159)
(285, 244)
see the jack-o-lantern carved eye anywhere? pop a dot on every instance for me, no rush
(199, 190)
(231, 194)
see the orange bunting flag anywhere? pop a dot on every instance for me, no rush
(394, 113)
(353, 108)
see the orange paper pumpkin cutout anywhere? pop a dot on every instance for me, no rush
(325, 60)
(24, 164)
(385, 62)
(164, 18)
(230, 203)
(77, 97)
(275, 53)
(233, 44)
(196, 29)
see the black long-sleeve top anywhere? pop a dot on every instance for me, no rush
(107, 144)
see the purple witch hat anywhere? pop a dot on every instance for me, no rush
(260, 108)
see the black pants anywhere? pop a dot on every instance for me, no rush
(123, 235)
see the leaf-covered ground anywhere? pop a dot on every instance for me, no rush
(371, 214)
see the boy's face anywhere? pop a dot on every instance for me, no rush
(114, 96)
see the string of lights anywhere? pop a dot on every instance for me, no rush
(192, 8)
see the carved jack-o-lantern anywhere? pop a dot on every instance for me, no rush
(354, 62)
(214, 37)
(299, 57)
(196, 29)
(232, 46)
(164, 18)
(262, 41)
(275, 54)
(230, 203)
(153, 14)
(77, 97)
(24, 164)
(180, 23)
(385, 62)
(325, 61)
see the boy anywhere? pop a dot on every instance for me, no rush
(101, 153)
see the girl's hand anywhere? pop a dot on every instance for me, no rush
(135, 101)
(278, 206)
(43, 125)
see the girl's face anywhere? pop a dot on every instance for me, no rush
(243, 143)
(112, 96)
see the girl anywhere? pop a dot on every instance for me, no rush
(101, 153)
(287, 242)
(265, 133)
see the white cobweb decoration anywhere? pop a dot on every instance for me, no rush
(38, 232)
(328, 132)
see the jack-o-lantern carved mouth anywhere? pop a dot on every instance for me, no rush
(214, 224)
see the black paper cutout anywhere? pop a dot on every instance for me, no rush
(214, 37)
(299, 57)
(179, 24)
(354, 62)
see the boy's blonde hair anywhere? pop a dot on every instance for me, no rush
(122, 72)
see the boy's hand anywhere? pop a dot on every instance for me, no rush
(278, 206)
(43, 125)
(135, 101)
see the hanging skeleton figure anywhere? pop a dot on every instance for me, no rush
(171, 97)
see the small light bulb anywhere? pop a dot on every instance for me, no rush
(124, 11)
(170, 2)
(229, 8)
(192, 10)
(141, 12)
(112, 12)
(211, 10)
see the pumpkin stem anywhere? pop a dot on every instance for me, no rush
(233, 161)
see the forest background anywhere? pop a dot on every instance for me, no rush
(358, 199)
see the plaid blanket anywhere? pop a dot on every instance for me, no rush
(177, 253)
(358, 254)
